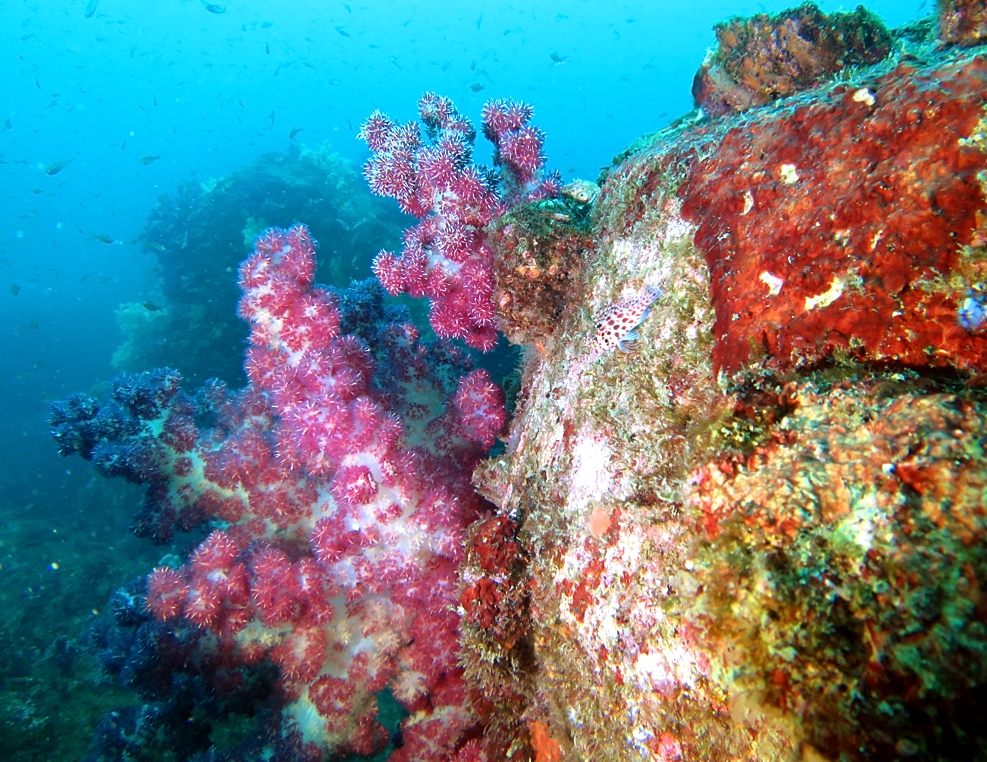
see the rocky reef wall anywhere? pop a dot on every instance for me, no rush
(758, 535)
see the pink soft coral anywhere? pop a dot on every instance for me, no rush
(446, 256)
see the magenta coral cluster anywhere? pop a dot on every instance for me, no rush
(446, 256)
(339, 483)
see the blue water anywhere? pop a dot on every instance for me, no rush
(209, 92)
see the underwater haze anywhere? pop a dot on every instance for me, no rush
(107, 105)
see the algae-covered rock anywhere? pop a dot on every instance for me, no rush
(962, 22)
(760, 535)
(762, 58)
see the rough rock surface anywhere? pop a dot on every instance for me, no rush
(762, 58)
(760, 537)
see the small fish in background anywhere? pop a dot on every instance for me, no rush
(295, 131)
(57, 166)
(32, 325)
(14, 289)
(102, 238)
(477, 87)
(145, 160)
(7, 124)
(271, 117)
(151, 306)
(557, 59)
(267, 48)
(342, 30)
(91, 8)
(214, 7)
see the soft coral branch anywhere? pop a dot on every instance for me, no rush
(446, 256)
(341, 478)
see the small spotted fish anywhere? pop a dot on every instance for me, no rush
(615, 324)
